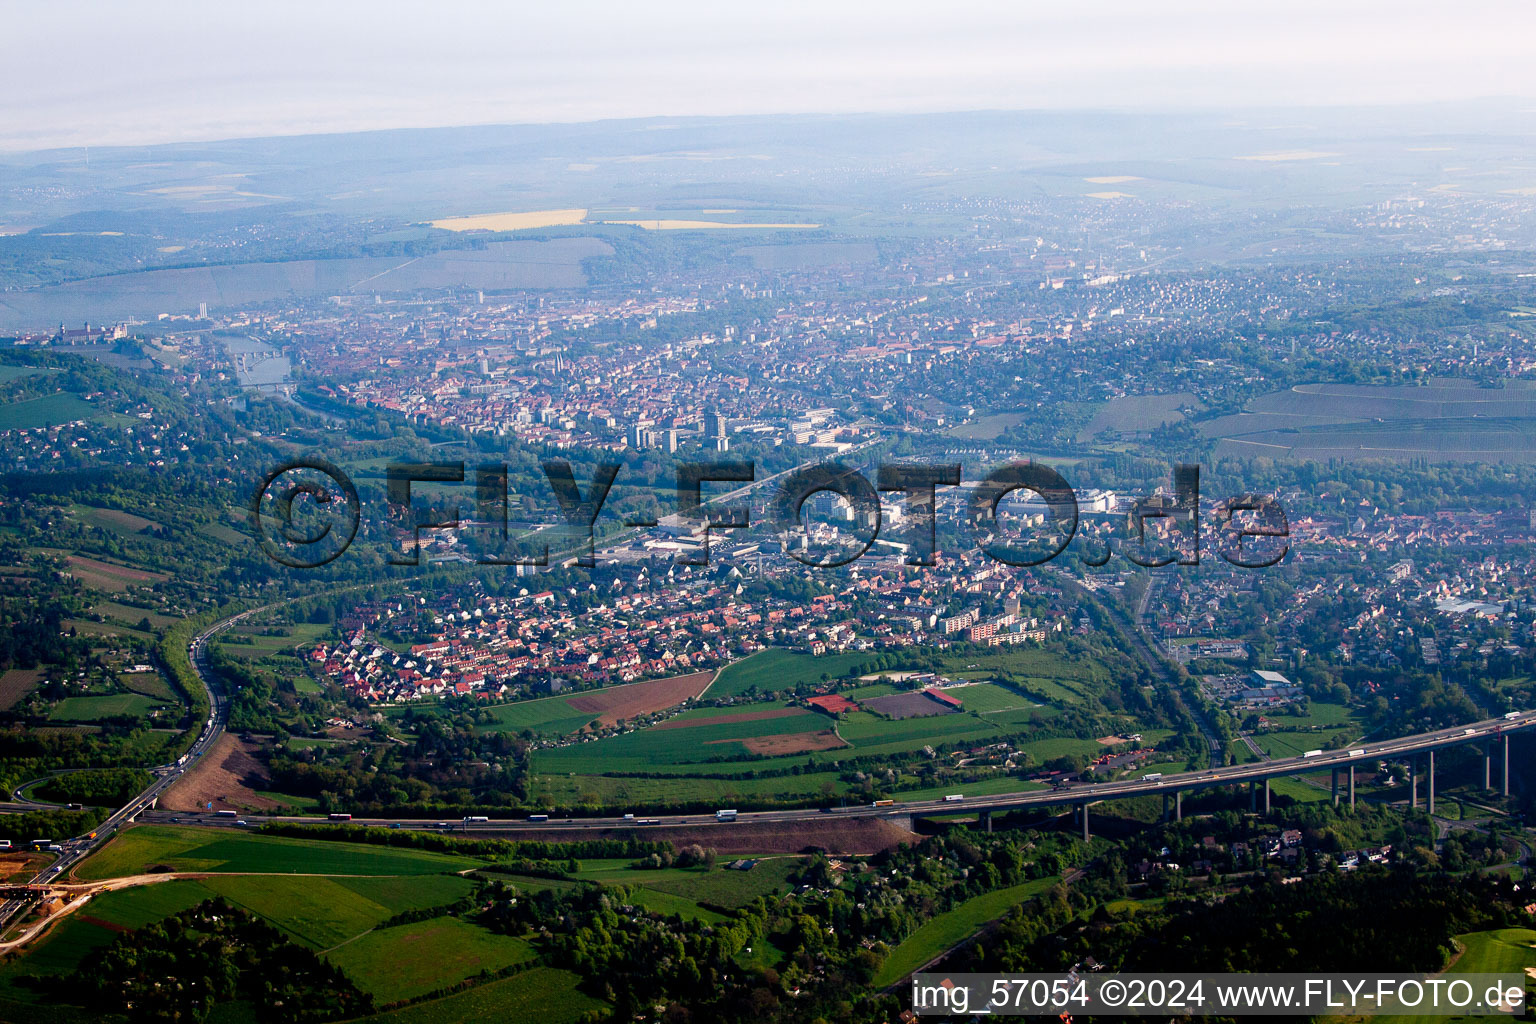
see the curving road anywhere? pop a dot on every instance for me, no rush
(72, 851)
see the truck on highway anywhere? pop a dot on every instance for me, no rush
(1514, 714)
(538, 817)
(337, 816)
(1469, 732)
(224, 814)
(725, 815)
(1312, 753)
(883, 803)
(476, 817)
(954, 797)
(5, 844)
(1357, 752)
(1152, 778)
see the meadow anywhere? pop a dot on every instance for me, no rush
(717, 886)
(314, 911)
(1500, 951)
(778, 669)
(94, 709)
(143, 847)
(52, 410)
(545, 994)
(410, 960)
(953, 926)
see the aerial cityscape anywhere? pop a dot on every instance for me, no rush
(586, 548)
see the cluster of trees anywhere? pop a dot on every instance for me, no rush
(105, 787)
(690, 856)
(1399, 920)
(179, 968)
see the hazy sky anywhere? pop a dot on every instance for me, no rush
(74, 73)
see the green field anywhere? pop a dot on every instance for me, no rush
(717, 886)
(666, 904)
(990, 698)
(318, 912)
(1047, 671)
(1298, 790)
(262, 645)
(94, 709)
(952, 927)
(1501, 951)
(226, 850)
(42, 412)
(544, 994)
(150, 684)
(410, 960)
(776, 669)
(1295, 743)
(9, 372)
(662, 749)
(680, 756)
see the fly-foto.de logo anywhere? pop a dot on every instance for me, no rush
(306, 513)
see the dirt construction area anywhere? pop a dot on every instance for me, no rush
(227, 777)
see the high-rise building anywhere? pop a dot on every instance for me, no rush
(671, 441)
(714, 425)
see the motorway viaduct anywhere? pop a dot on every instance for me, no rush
(1492, 736)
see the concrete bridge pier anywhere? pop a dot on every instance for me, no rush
(1334, 787)
(1506, 764)
(1086, 837)
(1413, 783)
(1430, 781)
(986, 821)
(1178, 805)
(1488, 767)
(1351, 787)
(1266, 796)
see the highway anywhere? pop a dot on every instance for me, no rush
(1082, 793)
(72, 851)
